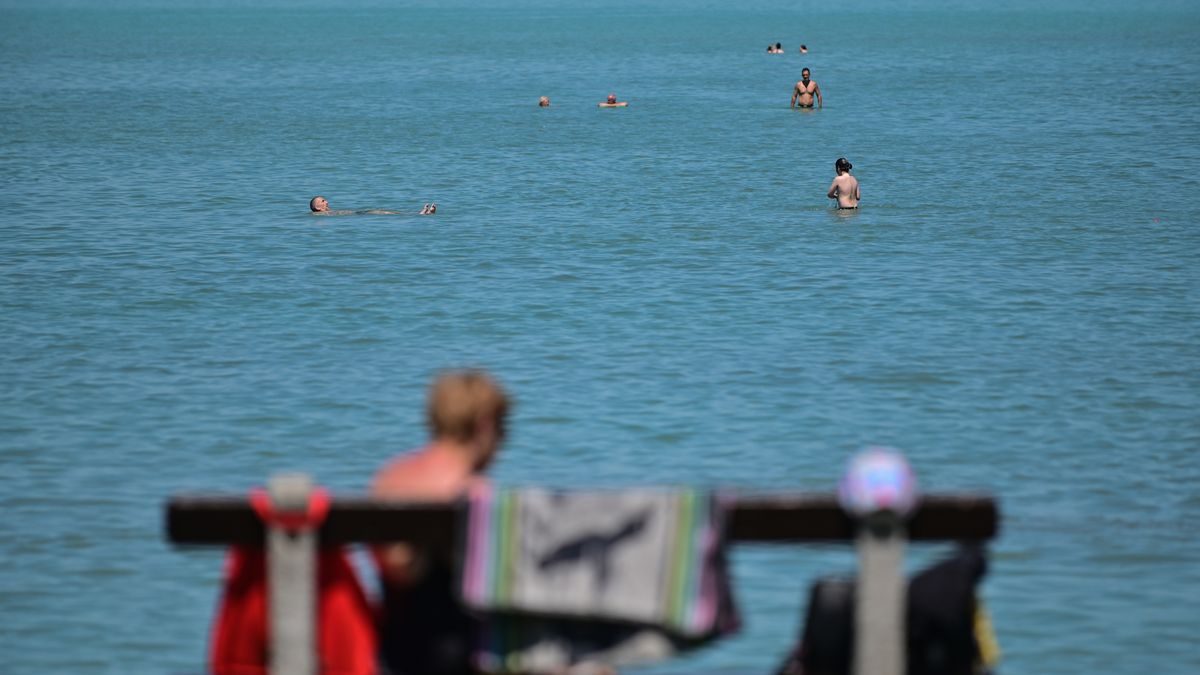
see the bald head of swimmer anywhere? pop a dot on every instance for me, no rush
(612, 98)
(318, 204)
(842, 165)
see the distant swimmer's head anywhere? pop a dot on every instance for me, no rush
(318, 204)
(842, 165)
(612, 98)
(803, 49)
(778, 46)
(544, 102)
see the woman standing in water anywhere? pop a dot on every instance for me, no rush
(844, 187)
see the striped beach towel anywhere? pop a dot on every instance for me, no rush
(622, 577)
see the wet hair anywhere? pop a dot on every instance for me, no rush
(842, 164)
(778, 46)
(458, 399)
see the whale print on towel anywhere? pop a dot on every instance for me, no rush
(595, 549)
(618, 577)
(648, 556)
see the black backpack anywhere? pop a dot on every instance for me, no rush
(940, 622)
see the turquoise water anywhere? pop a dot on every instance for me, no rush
(665, 288)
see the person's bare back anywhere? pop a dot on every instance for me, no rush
(433, 473)
(466, 412)
(845, 186)
(424, 628)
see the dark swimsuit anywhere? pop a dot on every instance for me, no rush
(425, 630)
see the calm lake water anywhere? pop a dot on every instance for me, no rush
(665, 288)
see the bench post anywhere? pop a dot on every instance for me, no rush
(291, 580)
(879, 617)
(880, 490)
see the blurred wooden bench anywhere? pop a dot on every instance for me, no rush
(223, 520)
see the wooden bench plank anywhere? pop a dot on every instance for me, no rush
(223, 519)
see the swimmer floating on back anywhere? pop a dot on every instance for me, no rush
(844, 187)
(320, 206)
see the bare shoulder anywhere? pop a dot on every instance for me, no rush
(422, 475)
(399, 476)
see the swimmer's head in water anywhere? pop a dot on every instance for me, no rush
(318, 204)
(544, 101)
(842, 165)
(612, 98)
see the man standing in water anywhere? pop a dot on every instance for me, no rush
(425, 631)
(844, 187)
(802, 95)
